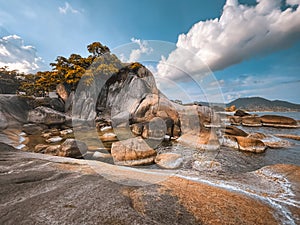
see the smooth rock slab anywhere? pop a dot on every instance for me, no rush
(132, 152)
(278, 121)
(169, 160)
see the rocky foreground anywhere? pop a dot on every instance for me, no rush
(41, 189)
(134, 122)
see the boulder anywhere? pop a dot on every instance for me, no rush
(73, 148)
(83, 106)
(169, 160)
(46, 116)
(105, 128)
(155, 129)
(229, 141)
(125, 91)
(231, 108)
(100, 155)
(40, 148)
(137, 128)
(232, 130)
(31, 128)
(251, 121)
(176, 131)
(243, 143)
(57, 104)
(194, 118)
(241, 113)
(66, 132)
(250, 144)
(62, 91)
(235, 120)
(278, 121)
(108, 137)
(52, 150)
(13, 111)
(54, 139)
(205, 140)
(132, 152)
(270, 140)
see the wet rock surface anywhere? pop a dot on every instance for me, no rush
(169, 160)
(69, 191)
(132, 152)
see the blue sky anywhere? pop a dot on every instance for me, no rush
(268, 68)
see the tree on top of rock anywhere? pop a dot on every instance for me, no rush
(71, 70)
(97, 49)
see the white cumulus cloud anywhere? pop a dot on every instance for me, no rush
(143, 49)
(67, 8)
(17, 56)
(240, 33)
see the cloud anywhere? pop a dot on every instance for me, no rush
(17, 56)
(67, 8)
(240, 33)
(143, 49)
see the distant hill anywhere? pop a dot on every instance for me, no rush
(262, 104)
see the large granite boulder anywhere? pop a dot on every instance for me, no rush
(13, 111)
(132, 152)
(46, 116)
(247, 144)
(194, 118)
(204, 140)
(131, 97)
(270, 140)
(278, 121)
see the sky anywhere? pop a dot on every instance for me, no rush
(198, 50)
